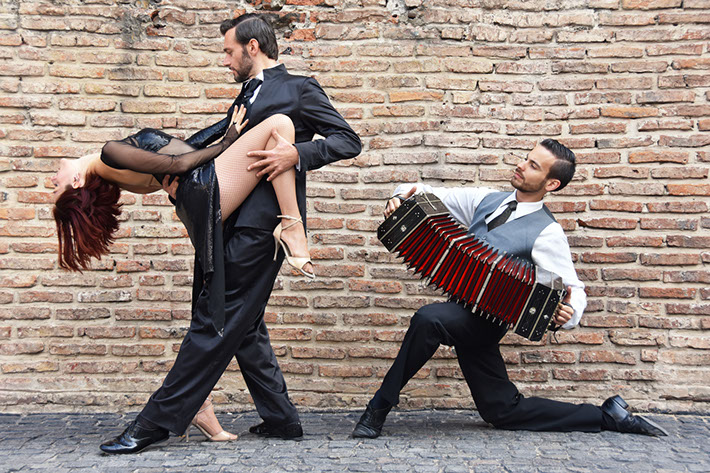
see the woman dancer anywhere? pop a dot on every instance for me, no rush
(213, 182)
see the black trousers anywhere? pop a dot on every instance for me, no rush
(250, 273)
(476, 342)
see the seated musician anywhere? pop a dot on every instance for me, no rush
(519, 223)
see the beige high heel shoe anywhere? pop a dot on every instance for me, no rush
(297, 262)
(222, 436)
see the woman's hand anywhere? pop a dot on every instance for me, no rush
(237, 125)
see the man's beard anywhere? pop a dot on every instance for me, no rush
(245, 67)
(522, 186)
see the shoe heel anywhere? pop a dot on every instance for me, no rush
(620, 401)
(276, 247)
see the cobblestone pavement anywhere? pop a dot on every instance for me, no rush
(418, 441)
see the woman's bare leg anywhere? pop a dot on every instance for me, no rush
(236, 183)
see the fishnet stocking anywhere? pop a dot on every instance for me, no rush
(235, 182)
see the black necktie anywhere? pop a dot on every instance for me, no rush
(504, 216)
(244, 98)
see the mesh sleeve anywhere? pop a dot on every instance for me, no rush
(126, 154)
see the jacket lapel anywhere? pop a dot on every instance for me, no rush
(260, 105)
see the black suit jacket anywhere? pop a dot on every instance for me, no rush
(304, 101)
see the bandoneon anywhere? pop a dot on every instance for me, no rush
(493, 283)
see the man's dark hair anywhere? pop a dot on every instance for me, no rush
(563, 167)
(253, 26)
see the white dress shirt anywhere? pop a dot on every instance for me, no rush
(546, 251)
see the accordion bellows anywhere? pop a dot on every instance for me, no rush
(491, 282)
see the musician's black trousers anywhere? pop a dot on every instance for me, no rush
(476, 342)
(250, 273)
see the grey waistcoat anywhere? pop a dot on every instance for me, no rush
(515, 236)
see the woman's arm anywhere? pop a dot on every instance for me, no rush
(126, 154)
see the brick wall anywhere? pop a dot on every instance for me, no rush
(441, 91)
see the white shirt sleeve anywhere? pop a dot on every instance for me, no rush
(461, 201)
(551, 252)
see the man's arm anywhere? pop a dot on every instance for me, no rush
(319, 115)
(551, 252)
(340, 142)
(460, 201)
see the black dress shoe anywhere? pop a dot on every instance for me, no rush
(370, 424)
(621, 420)
(291, 431)
(134, 439)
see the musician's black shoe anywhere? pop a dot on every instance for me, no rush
(134, 439)
(370, 424)
(621, 420)
(290, 431)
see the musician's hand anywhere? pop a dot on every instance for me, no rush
(396, 201)
(170, 188)
(564, 311)
(276, 160)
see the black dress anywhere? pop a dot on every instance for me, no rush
(196, 200)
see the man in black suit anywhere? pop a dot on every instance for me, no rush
(251, 53)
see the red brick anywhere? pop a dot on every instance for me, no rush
(373, 352)
(46, 296)
(688, 309)
(581, 374)
(646, 156)
(631, 188)
(610, 223)
(607, 258)
(668, 224)
(143, 314)
(688, 189)
(339, 371)
(667, 293)
(318, 352)
(549, 356)
(620, 274)
(630, 241)
(669, 259)
(686, 276)
(604, 321)
(21, 348)
(343, 336)
(370, 319)
(686, 172)
(629, 112)
(107, 332)
(684, 241)
(33, 367)
(75, 349)
(138, 350)
(92, 367)
(652, 125)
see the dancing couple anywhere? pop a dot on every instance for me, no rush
(242, 201)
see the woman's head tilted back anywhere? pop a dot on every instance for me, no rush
(87, 219)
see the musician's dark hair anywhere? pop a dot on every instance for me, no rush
(563, 167)
(253, 26)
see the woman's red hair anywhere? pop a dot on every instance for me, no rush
(87, 219)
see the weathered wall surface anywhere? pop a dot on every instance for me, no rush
(441, 91)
